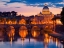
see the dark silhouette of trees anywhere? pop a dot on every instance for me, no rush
(4, 14)
(28, 21)
(62, 15)
(13, 13)
(0, 13)
(8, 14)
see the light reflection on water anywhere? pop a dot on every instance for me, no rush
(47, 42)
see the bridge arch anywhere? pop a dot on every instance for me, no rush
(10, 31)
(35, 31)
(23, 32)
(22, 21)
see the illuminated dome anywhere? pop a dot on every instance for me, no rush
(45, 6)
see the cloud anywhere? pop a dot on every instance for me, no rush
(38, 2)
(60, 3)
(4, 0)
(17, 7)
(5, 4)
(42, 4)
(30, 7)
(2, 4)
(25, 10)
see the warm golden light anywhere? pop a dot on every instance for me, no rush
(46, 40)
(11, 31)
(23, 31)
(22, 21)
(11, 40)
(47, 15)
(58, 22)
(35, 34)
(46, 35)
(35, 31)
(33, 21)
(56, 42)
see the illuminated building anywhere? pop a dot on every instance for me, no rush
(57, 19)
(44, 17)
(8, 21)
(34, 21)
(35, 31)
(47, 15)
(58, 22)
(11, 31)
(22, 21)
(23, 31)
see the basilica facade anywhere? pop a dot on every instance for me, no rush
(44, 17)
(47, 15)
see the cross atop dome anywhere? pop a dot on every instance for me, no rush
(45, 4)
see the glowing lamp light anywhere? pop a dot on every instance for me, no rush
(11, 31)
(22, 21)
(23, 33)
(35, 33)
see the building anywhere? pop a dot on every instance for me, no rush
(57, 19)
(47, 15)
(44, 17)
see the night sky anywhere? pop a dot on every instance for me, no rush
(30, 7)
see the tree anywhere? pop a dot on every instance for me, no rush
(62, 15)
(13, 13)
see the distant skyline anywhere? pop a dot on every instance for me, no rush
(31, 7)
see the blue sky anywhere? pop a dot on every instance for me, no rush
(30, 7)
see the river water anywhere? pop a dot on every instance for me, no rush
(43, 42)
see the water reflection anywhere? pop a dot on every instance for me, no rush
(23, 31)
(44, 41)
(1, 34)
(10, 31)
(48, 40)
(35, 31)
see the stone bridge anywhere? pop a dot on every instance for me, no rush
(18, 26)
(33, 30)
(29, 26)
